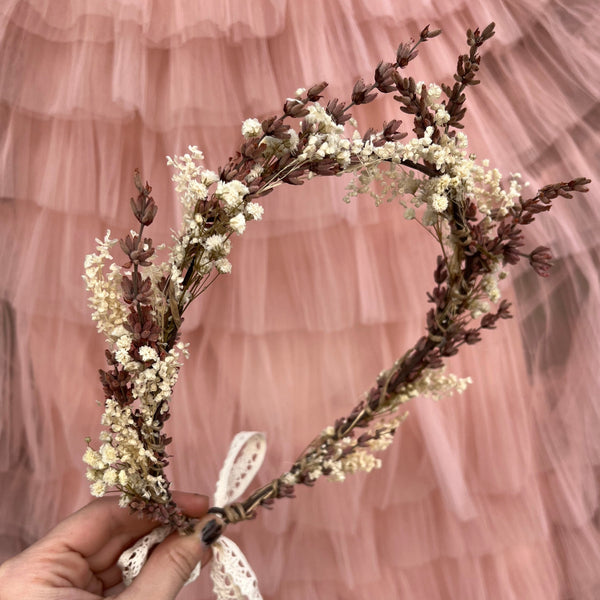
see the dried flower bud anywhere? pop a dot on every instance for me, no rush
(428, 35)
(504, 310)
(390, 131)
(579, 184)
(336, 109)
(327, 166)
(384, 77)
(488, 32)
(360, 93)
(369, 133)
(488, 321)
(136, 289)
(472, 336)
(138, 253)
(441, 272)
(275, 127)
(539, 259)
(295, 108)
(405, 54)
(314, 92)
(144, 208)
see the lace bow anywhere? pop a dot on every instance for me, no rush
(233, 578)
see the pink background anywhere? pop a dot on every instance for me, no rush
(493, 494)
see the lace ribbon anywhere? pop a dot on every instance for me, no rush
(233, 578)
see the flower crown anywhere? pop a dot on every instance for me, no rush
(475, 218)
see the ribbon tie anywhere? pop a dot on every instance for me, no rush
(232, 576)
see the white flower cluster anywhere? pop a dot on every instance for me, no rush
(193, 184)
(348, 457)
(109, 311)
(328, 140)
(435, 383)
(460, 175)
(432, 383)
(434, 93)
(123, 460)
(251, 128)
(361, 458)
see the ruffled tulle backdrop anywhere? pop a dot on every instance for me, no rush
(493, 494)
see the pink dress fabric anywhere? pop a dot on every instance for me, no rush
(490, 495)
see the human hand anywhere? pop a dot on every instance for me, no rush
(77, 560)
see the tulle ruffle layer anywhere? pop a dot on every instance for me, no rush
(490, 494)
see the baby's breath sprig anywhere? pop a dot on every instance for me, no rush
(473, 216)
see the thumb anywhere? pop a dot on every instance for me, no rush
(172, 562)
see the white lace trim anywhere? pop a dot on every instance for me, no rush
(233, 578)
(244, 459)
(134, 558)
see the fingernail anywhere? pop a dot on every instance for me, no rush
(211, 531)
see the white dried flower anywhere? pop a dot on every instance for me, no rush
(108, 453)
(93, 459)
(238, 223)
(148, 354)
(110, 476)
(98, 489)
(231, 192)
(214, 242)
(251, 128)
(223, 265)
(439, 203)
(254, 211)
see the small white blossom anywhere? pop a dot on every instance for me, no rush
(254, 211)
(123, 479)
(98, 489)
(238, 223)
(93, 459)
(439, 203)
(231, 192)
(214, 242)
(251, 128)
(208, 177)
(108, 453)
(223, 265)
(148, 354)
(110, 476)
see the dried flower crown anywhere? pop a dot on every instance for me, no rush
(139, 306)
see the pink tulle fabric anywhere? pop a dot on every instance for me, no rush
(490, 495)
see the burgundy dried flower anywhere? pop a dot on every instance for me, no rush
(428, 35)
(314, 92)
(336, 109)
(384, 77)
(295, 108)
(390, 131)
(540, 259)
(138, 253)
(362, 94)
(144, 208)
(405, 54)
(472, 336)
(275, 127)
